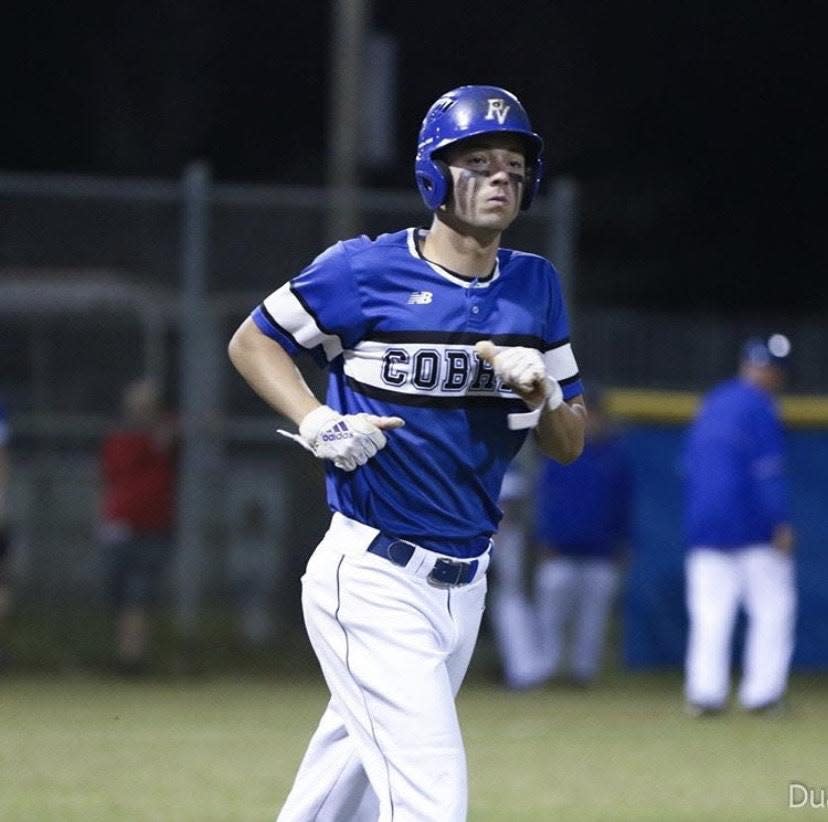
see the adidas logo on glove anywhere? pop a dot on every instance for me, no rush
(348, 441)
(338, 432)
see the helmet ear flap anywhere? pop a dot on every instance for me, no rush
(445, 175)
(433, 181)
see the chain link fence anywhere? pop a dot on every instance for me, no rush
(102, 281)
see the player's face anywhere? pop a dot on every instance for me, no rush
(489, 175)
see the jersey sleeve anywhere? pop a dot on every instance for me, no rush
(319, 311)
(558, 354)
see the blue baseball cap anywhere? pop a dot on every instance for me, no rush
(775, 350)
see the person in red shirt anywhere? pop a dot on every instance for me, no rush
(137, 514)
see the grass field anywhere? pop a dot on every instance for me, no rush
(91, 748)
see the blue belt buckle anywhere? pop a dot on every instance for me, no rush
(448, 573)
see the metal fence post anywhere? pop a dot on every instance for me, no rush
(198, 401)
(563, 239)
(347, 47)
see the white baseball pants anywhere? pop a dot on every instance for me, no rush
(574, 598)
(393, 650)
(761, 579)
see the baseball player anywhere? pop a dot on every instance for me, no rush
(443, 350)
(511, 611)
(583, 526)
(740, 536)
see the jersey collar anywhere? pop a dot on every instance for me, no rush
(445, 273)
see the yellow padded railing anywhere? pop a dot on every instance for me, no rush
(678, 407)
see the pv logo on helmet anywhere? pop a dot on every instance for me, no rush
(497, 110)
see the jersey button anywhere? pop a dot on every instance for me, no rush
(475, 309)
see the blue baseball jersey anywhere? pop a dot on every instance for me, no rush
(398, 332)
(583, 509)
(736, 486)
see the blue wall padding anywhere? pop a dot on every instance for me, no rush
(653, 609)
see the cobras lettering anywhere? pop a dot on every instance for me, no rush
(454, 370)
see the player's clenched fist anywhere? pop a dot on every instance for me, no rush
(347, 440)
(524, 371)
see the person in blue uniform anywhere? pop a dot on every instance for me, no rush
(583, 515)
(443, 350)
(740, 536)
(511, 607)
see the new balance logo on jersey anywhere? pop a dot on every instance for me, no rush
(339, 432)
(497, 110)
(420, 298)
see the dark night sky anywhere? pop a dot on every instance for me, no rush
(702, 120)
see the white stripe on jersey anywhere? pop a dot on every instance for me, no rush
(560, 362)
(437, 369)
(292, 316)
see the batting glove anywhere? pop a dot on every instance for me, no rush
(524, 370)
(347, 440)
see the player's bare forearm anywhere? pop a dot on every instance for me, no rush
(560, 430)
(270, 372)
(560, 433)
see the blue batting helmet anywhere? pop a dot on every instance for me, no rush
(467, 112)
